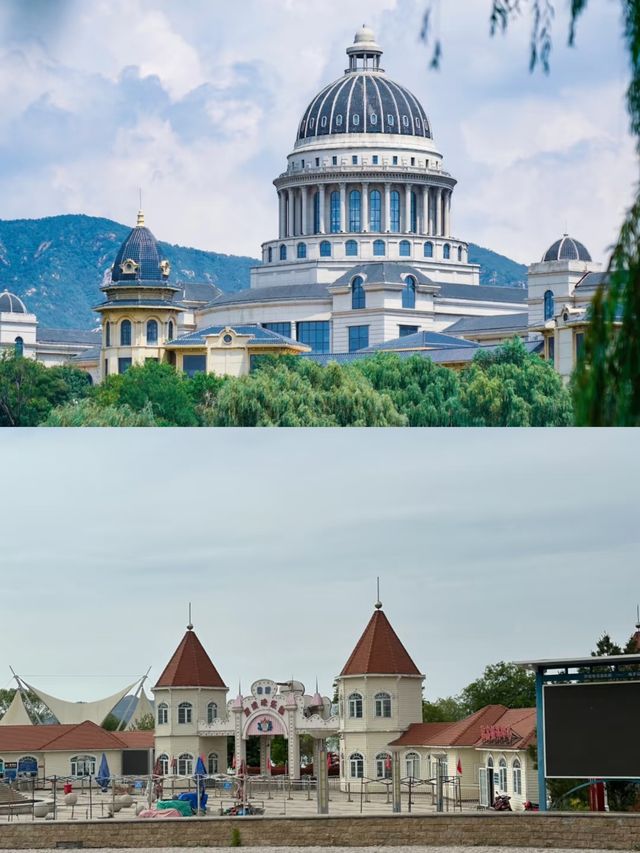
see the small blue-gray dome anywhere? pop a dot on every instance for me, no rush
(364, 100)
(567, 249)
(139, 258)
(11, 304)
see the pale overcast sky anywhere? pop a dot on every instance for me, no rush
(490, 545)
(198, 102)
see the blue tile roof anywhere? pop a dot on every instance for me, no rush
(484, 293)
(259, 336)
(68, 336)
(423, 340)
(274, 293)
(142, 247)
(499, 322)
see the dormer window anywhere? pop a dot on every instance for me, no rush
(129, 267)
(165, 268)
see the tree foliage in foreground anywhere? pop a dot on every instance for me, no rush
(606, 382)
(29, 390)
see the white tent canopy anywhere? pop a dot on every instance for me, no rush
(80, 712)
(16, 713)
(142, 709)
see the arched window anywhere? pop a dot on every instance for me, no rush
(378, 248)
(446, 251)
(19, 346)
(502, 775)
(405, 249)
(212, 712)
(375, 211)
(383, 765)
(163, 764)
(302, 250)
(28, 766)
(83, 765)
(163, 713)
(356, 766)
(428, 249)
(414, 213)
(325, 249)
(351, 249)
(548, 305)
(394, 225)
(316, 213)
(412, 765)
(355, 210)
(185, 764)
(459, 254)
(107, 334)
(152, 331)
(358, 296)
(212, 763)
(125, 333)
(283, 252)
(185, 712)
(170, 332)
(382, 703)
(334, 208)
(355, 706)
(409, 292)
(517, 776)
(270, 254)
(490, 762)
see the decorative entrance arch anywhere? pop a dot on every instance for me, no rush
(265, 724)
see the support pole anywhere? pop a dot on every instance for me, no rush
(542, 782)
(395, 780)
(322, 776)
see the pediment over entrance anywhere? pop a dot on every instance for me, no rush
(265, 724)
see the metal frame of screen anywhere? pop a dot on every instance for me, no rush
(594, 772)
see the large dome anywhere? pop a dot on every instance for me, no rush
(139, 258)
(364, 100)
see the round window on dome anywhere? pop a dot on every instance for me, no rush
(339, 121)
(356, 120)
(405, 121)
(390, 120)
(323, 121)
(418, 122)
(373, 118)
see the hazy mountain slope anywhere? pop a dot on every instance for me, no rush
(57, 265)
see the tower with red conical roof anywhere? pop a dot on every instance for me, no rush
(379, 697)
(189, 693)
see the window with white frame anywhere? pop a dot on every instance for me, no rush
(517, 777)
(212, 763)
(383, 765)
(502, 775)
(163, 764)
(382, 705)
(356, 766)
(412, 765)
(163, 713)
(83, 765)
(185, 764)
(212, 712)
(355, 705)
(185, 712)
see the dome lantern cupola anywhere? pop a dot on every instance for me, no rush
(11, 304)
(364, 54)
(567, 249)
(138, 260)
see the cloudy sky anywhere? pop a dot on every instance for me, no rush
(490, 545)
(198, 103)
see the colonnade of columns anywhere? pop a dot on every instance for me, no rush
(298, 216)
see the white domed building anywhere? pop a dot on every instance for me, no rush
(366, 252)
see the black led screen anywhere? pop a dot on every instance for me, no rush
(592, 730)
(135, 762)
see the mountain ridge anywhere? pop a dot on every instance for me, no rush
(57, 264)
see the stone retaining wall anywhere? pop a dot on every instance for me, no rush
(560, 830)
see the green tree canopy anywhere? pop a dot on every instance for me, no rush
(89, 413)
(153, 385)
(500, 684)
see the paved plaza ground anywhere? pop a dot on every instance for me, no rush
(343, 850)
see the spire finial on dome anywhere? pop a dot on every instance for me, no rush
(140, 220)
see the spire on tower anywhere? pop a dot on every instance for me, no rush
(378, 604)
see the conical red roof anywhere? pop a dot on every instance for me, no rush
(380, 651)
(190, 666)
